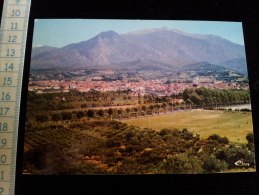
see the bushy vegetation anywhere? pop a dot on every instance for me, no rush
(111, 147)
(213, 98)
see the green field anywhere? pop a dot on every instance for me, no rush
(233, 125)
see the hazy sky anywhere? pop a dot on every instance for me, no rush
(61, 32)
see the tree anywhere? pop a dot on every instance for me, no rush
(233, 154)
(66, 116)
(110, 112)
(84, 106)
(144, 108)
(250, 138)
(135, 109)
(42, 118)
(100, 113)
(180, 164)
(220, 140)
(211, 164)
(128, 111)
(171, 104)
(56, 117)
(80, 114)
(164, 106)
(120, 111)
(151, 107)
(90, 113)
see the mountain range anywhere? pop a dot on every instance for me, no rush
(163, 48)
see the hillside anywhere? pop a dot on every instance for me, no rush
(237, 64)
(41, 49)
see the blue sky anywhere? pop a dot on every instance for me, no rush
(61, 32)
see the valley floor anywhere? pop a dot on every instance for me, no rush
(232, 124)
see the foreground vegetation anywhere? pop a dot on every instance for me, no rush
(109, 147)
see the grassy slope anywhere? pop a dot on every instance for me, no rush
(234, 125)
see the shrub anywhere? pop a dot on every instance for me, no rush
(180, 164)
(211, 164)
(245, 110)
(164, 132)
(250, 137)
(233, 154)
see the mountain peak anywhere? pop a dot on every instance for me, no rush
(154, 30)
(108, 34)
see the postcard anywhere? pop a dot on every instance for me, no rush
(138, 97)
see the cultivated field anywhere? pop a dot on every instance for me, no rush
(234, 125)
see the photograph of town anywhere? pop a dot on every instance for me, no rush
(138, 97)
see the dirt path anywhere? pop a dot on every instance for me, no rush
(107, 107)
(103, 107)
